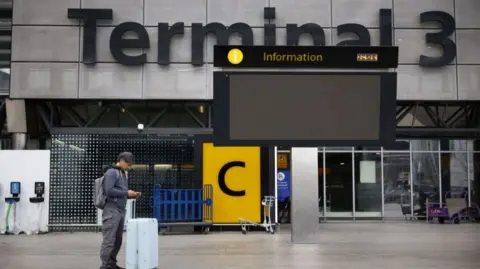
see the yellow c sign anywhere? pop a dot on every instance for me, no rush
(234, 173)
(235, 56)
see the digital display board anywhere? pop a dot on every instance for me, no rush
(304, 109)
(306, 57)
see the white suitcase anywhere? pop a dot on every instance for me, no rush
(142, 244)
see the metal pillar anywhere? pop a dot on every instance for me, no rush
(304, 199)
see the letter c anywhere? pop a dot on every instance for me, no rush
(221, 178)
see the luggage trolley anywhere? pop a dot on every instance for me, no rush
(268, 203)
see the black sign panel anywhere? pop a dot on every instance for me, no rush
(304, 109)
(306, 57)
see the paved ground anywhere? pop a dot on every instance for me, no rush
(340, 245)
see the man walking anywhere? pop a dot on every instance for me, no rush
(116, 189)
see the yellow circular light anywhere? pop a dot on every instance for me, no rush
(235, 56)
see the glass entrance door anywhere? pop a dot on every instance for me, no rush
(338, 176)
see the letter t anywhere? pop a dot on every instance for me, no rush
(90, 17)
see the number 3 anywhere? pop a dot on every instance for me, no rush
(441, 38)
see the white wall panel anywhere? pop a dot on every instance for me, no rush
(123, 10)
(300, 12)
(180, 46)
(407, 12)
(110, 81)
(103, 45)
(231, 11)
(374, 37)
(171, 11)
(29, 216)
(469, 82)
(364, 12)
(467, 13)
(178, 81)
(47, 44)
(417, 83)
(305, 40)
(44, 80)
(468, 46)
(43, 12)
(412, 44)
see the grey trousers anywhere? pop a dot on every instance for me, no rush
(112, 230)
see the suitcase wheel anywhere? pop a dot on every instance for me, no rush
(206, 230)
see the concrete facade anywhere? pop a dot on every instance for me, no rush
(47, 46)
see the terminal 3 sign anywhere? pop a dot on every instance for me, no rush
(222, 32)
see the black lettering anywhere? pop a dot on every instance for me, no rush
(441, 38)
(90, 17)
(199, 32)
(314, 30)
(118, 43)
(386, 34)
(363, 36)
(221, 178)
(269, 29)
(165, 34)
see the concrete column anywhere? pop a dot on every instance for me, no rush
(17, 123)
(19, 141)
(304, 199)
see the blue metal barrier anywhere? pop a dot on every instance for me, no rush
(182, 206)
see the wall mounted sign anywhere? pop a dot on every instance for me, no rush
(282, 161)
(234, 173)
(166, 32)
(306, 56)
(283, 185)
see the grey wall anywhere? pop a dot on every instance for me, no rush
(47, 45)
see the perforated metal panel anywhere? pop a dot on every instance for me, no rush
(78, 159)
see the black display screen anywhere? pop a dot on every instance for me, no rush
(305, 109)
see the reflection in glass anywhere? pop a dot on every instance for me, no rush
(339, 182)
(458, 145)
(368, 182)
(425, 145)
(454, 175)
(376, 149)
(471, 177)
(396, 184)
(399, 145)
(4, 79)
(425, 175)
